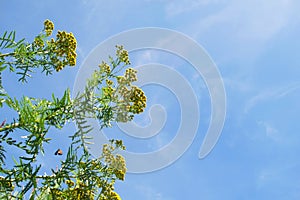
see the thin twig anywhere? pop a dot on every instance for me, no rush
(11, 126)
(7, 54)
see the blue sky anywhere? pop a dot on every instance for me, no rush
(256, 48)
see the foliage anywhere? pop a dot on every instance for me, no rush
(107, 97)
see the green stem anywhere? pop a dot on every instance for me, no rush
(13, 53)
(7, 54)
(11, 126)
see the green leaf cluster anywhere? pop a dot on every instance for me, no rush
(107, 97)
(44, 52)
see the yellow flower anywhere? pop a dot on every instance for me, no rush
(48, 27)
(109, 82)
(65, 49)
(69, 183)
(122, 54)
(130, 75)
(104, 68)
(114, 196)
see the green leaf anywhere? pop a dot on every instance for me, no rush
(2, 68)
(19, 43)
(9, 40)
(26, 158)
(3, 38)
(27, 188)
(45, 195)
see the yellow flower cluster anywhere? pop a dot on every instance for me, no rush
(135, 103)
(108, 91)
(6, 183)
(122, 54)
(130, 99)
(72, 193)
(135, 98)
(114, 196)
(109, 194)
(139, 100)
(128, 78)
(130, 75)
(69, 183)
(124, 98)
(48, 27)
(109, 82)
(39, 41)
(119, 174)
(119, 166)
(64, 48)
(104, 68)
(115, 162)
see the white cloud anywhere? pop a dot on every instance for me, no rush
(143, 57)
(241, 28)
(277, 173)
(271, 132)
(150, 193)
(181, 7)
(270, 94)
(239, 84)
(246, 19)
